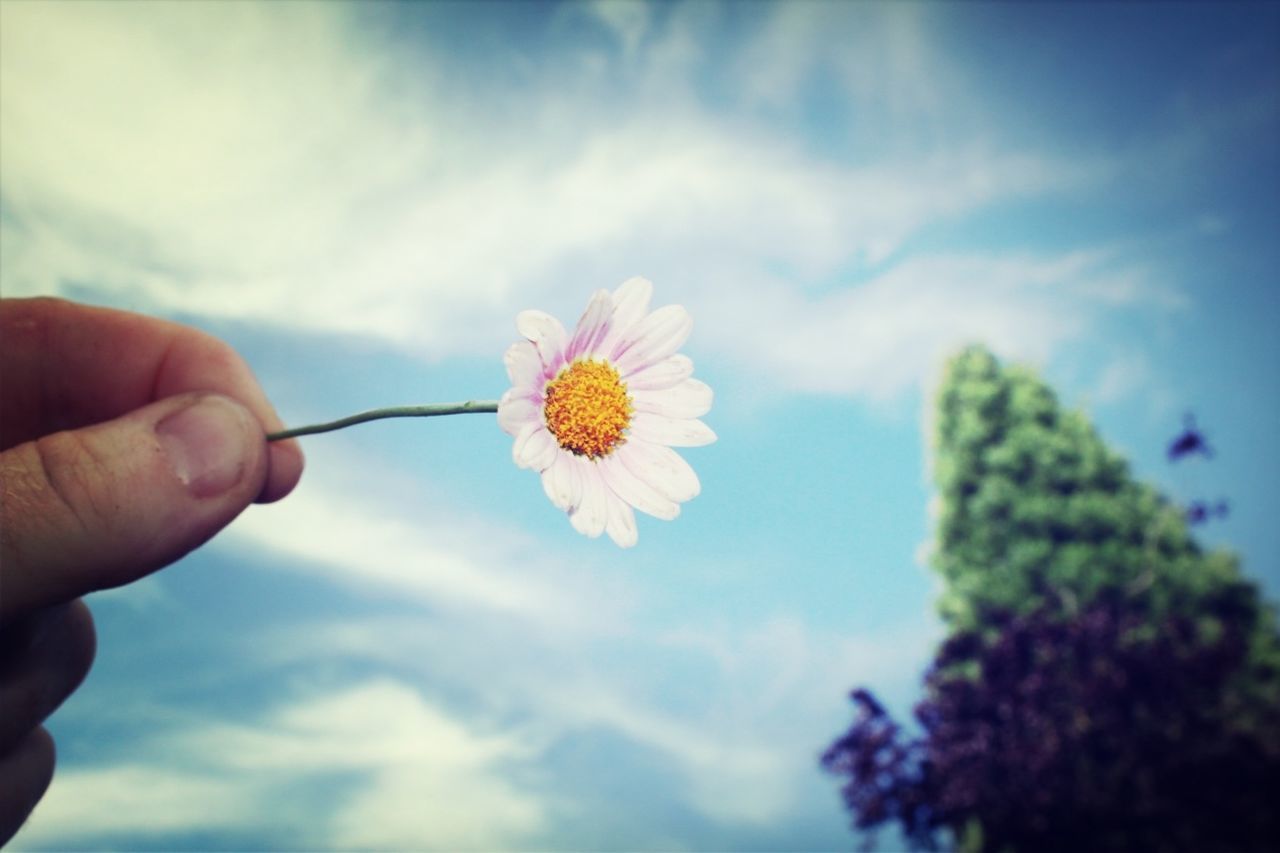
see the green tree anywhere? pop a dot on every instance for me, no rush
(1106, 682)
(1039, 515)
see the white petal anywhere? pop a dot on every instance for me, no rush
(535, 448)
(673, 432)
(524, 367)
(662, 468)
(523, 438)
(635, 491)
(592, 513)
(630, 303)
(654, 338)
(515, 411)
(631, 299)
(666, 373)
(621, 523)
(561, 483)
(591, 326)
(689, 399)
(547, 334)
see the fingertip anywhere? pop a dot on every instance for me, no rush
(286, 462)
(49, 654)
(82, 641)
(25, 774)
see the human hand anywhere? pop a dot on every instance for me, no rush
(125, 442)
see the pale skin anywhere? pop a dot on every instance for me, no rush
(125, 443)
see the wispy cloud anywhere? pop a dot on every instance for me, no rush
(292, 186)
(884, 56)
(1121, 376)
(735, 715)
(876, 339)
(359, 522)
(627, 20)
(476, 672)
(445, 739)
(197, 155)
(413, 778)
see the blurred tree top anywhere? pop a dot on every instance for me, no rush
(1037, 513)
(1106, 685)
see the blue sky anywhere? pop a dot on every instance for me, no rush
(415, 650)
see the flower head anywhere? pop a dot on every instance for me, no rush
(596, 413)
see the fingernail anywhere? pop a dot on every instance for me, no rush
(207, 445)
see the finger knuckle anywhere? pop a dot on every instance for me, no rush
(75, 479)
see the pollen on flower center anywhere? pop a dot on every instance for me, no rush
(588, 408)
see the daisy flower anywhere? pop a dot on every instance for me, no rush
(596, 413)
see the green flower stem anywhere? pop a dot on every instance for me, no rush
(428, 411)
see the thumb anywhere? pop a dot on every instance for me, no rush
(105, 505)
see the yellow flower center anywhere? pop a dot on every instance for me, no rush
(588, 408)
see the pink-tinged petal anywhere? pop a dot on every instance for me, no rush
(561, 483)
(515, 411)
(654, 338)
(621, 523)
(522, 438)
(665, 374)
(689, 399)
(547, 334)
(662, 468)
(633, 490)
(592, 513)
(535, 448)
(631, 299)
(630, 304)
(591, 326)
(673, 432)
(524, 367)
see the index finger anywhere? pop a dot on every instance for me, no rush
(65, 366)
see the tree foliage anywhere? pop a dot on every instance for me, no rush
(1106, 684)
(1102, 732)
(1038, 513)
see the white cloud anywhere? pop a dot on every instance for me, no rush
(774, 702)
(628, 20)
(224, 158)
(569, 651)
(757, 702)
(876, 339)
(285, 172)
(738, 713)
(361, 522)
(1121, 376)
(171, 119)
(529, 661)
(140, 798)
(900, 87)
(425, 780)
(370, 548)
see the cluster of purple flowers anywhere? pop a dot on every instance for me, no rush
(1107, 730)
